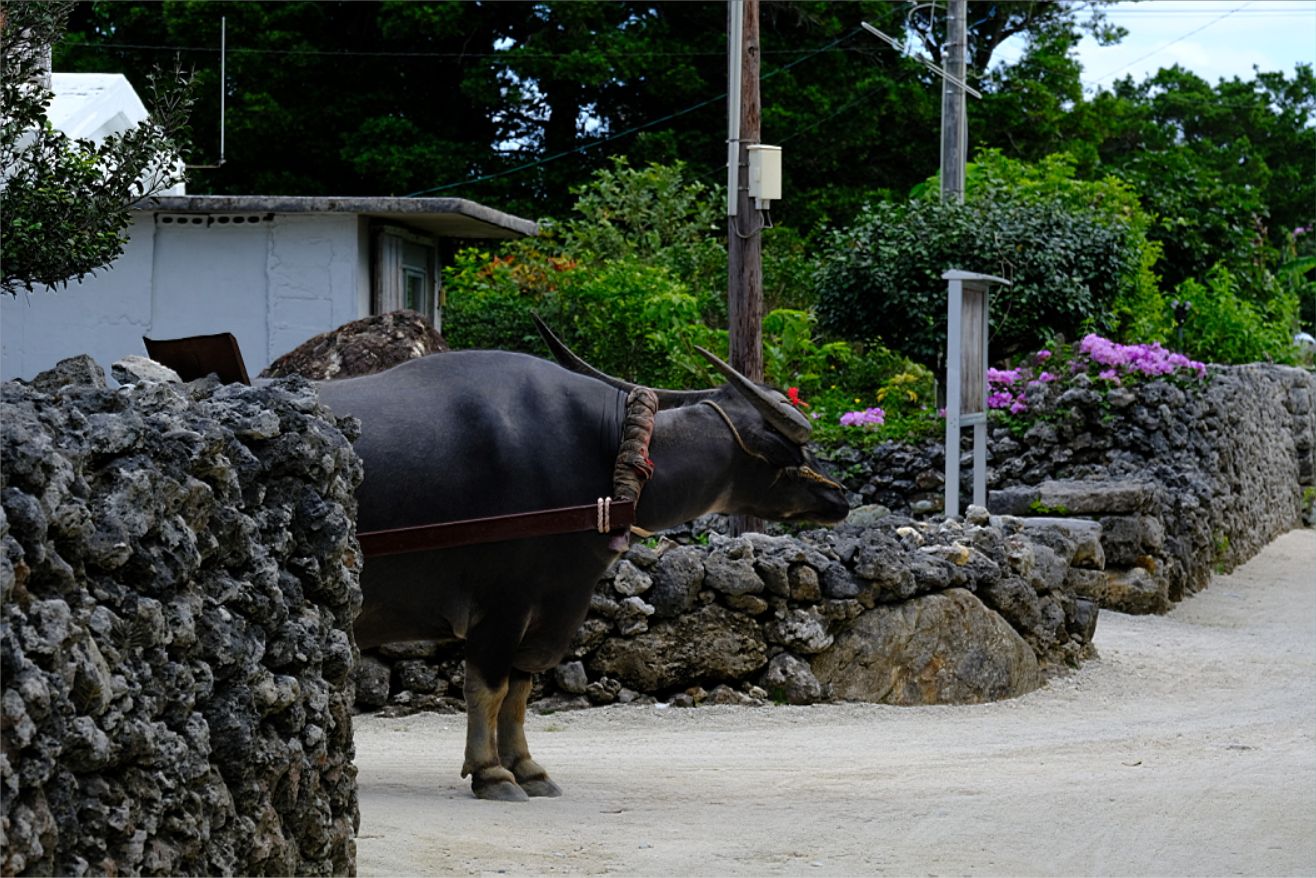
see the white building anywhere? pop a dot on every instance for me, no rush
(92, 106)
(274, 271)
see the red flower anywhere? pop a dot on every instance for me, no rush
(793, 394)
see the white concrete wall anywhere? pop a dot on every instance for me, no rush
(105, 316)
(273, 284)
(313, 278)
(212, 278)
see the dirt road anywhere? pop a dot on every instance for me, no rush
(1188, 748)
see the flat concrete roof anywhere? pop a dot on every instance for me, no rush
(446, 217)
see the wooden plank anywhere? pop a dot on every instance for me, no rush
(973, 339)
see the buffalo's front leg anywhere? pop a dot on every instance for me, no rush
(512, 749)
(489, 779)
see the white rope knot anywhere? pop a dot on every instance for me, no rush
(604, 512)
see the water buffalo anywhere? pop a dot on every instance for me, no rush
(472, 434)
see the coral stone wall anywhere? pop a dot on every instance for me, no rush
(179, 581)
(1186, 479)
(885, 610)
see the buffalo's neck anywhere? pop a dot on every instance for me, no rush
(693, 456)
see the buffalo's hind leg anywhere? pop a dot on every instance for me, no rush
(512, 749)
(484, 702)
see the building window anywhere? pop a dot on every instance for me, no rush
(406, 273)
(415, 293)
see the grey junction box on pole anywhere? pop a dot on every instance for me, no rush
(967, 312)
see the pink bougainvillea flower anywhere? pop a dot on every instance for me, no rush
(872, 417)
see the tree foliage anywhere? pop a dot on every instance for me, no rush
(1225, 169)
(520, 104)
(881, 278)
(517, 103)
(64, 202)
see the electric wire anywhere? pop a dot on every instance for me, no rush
(632, 130)
(1171, 43)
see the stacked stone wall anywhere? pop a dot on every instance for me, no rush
(1187, 479)
(881, 609)
(179, 581)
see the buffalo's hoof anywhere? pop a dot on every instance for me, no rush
(541, 787)
(498, 791)
(496, 784)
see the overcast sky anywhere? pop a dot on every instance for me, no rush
(1213, 38)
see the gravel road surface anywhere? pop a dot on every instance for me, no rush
(1187, 748)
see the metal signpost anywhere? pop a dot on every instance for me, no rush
(967, 310)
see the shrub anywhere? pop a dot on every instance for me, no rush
(791, 356)
(1221, 326)
(1139, 312)
(489, 297)
(632, 319)
(881, 278)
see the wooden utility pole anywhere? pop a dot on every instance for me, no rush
(744, 221)
(744, 224)
(953, 137)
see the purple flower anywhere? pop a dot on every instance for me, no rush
(1005, 377)
(1151, 360)
(1001, 399)
(872, 417)
(1043, 355)
(1018, 407)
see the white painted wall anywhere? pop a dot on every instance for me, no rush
(315, 271)
(273, 284)
(106, 315)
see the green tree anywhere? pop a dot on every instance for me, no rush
(64, 202)
(322, 98)
(881, 278)
(510, 103)
(1225, 169)
(991, 23)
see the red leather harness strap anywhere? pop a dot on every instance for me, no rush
(472, 531)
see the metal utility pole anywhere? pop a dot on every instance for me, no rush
(744, 223)
(953, 138)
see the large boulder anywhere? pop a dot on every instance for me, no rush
(711, 643)
(361, 347)
(944, 648)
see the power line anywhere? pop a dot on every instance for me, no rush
(1171, 43)
(632, 130)
(506, 55)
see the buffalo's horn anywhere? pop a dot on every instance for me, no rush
(568, 359)
(776, 408)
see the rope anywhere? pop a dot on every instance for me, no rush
(734, 432)
(633, 467)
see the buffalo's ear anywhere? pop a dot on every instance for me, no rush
(774, 407)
